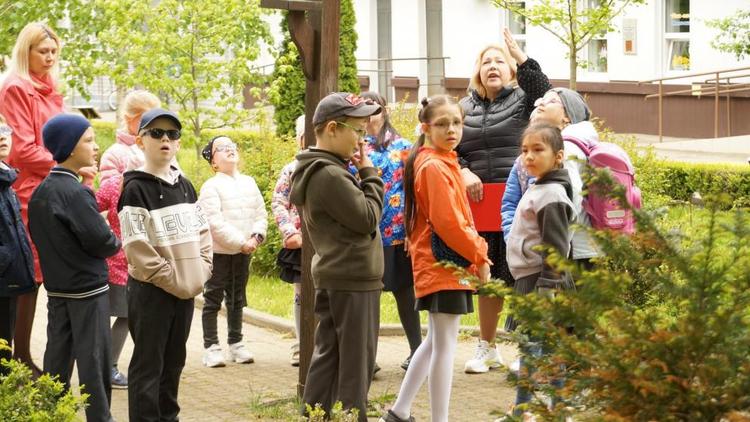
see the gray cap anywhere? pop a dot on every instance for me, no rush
(575, 106)
(154, 114)
(340, 104)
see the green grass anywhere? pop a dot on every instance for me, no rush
(273, 296)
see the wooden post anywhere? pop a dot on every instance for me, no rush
(314, 28)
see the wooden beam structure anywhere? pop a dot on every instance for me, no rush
(314, 27)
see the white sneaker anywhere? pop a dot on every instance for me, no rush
(212, 357)
(485, 358)
(515, 366)
(239, 353)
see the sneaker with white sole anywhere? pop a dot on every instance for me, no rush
(294, 360)
(213, 357)
(485, 358)
(239, 353)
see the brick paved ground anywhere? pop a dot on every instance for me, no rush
(226, 394)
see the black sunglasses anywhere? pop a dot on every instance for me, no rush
(156, 133)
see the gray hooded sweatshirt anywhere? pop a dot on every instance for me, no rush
(543, 217)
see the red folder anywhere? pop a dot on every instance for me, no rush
(486, 212)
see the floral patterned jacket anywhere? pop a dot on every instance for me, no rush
(390, 164)
(284, 212)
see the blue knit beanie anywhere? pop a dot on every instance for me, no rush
(62, 133)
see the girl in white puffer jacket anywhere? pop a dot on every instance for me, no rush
(238, 220)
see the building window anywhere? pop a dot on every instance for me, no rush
(517, 25)
(598, 55)
(597, 46)
(677, 34)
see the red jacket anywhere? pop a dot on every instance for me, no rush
(27, 109)
(442, 206)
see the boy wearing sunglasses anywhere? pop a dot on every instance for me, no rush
(342, 215)
(167, 244)
(238, 220)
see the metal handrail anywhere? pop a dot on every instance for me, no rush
(690, 75)
(700, 91)
(716, 92)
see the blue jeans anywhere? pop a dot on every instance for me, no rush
(523, 393)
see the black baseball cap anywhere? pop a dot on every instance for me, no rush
(154, 114)
(340, 104)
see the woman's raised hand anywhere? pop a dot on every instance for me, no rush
(513, 48)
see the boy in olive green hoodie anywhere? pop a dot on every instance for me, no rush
(342, 215)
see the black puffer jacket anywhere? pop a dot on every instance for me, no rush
(16, 261)
(492, 130)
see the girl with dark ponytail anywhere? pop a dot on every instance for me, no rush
(436, 205)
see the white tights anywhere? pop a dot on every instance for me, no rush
(433, 360)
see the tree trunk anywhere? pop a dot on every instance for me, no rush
(573, 62)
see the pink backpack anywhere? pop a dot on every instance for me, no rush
(607, 213)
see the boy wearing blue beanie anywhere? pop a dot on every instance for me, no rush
(73, 241)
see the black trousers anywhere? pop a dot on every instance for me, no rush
(7, 328)
(159, 324)
(228, 283)
(78, 330)
(346, 342)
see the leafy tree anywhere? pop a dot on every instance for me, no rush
(73, 21)
(734, 34)
(287, 90)
(570, 21)
(188, 52)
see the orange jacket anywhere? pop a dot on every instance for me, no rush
(441, 205)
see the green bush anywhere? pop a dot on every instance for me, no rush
(662, 181)
(24, 399)
(683, 357)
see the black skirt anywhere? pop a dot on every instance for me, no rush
(290, 265)
(397, 272)
(447, 302)
(496, 252)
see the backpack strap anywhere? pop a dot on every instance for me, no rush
(582, 145)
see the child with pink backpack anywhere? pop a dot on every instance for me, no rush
(567, 110)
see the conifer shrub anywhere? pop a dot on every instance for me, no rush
(24, 399)
(682, 357)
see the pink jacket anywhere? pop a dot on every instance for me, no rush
(107, 197)
(116, 158)
(27, 109)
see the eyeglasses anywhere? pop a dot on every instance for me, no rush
(542, 101)
(5, 130)
(226, 147)
(156, 133)
(359, 131)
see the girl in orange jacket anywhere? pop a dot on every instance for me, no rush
(436, 206)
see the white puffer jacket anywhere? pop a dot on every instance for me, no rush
(235, 210)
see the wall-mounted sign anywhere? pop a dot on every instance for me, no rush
(629, 29)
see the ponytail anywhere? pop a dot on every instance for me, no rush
(425, 114)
